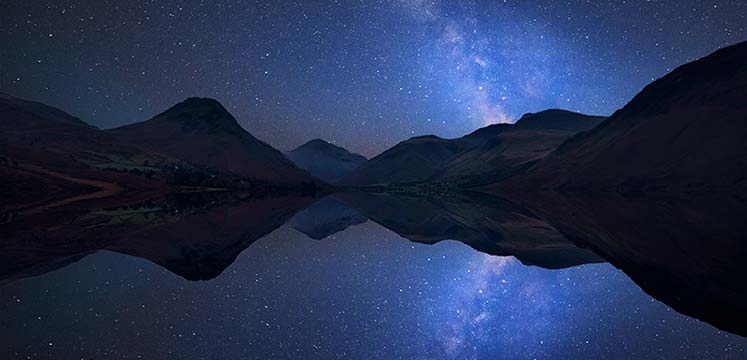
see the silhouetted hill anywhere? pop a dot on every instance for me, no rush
(47, 155)
(325, 161)
(201, 131)
(484, 155)
(415, 159)
(683, 131)
(16, 108)
(658, 189)
(516, 147)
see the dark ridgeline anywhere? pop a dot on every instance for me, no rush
(42, 148)
(683, 132)
(201, 131)
(657, 189)
(50, 156)
(493, 151)
(325, 161)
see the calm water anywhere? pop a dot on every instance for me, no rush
(362, 293)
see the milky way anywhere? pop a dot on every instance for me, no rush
(363, 74)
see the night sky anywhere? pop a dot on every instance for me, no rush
(362, 74)
(365, 293)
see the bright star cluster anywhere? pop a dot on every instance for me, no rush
(362, 74)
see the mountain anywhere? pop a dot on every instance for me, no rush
(325, 161)
(201, 131)
(487, 153)
(413, 160)
(658, 189)
(532, 137)
(48, 157)
(34, 112)
(682, 132)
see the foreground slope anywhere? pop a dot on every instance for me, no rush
(48, 156)
(658, 189)
(684, 131)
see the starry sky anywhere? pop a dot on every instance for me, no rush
(362, 74)
(364, 293)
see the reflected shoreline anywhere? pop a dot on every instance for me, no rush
(659, 240)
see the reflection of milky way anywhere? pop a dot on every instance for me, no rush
(364, 293)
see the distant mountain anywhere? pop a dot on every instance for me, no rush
(685, 131)
(201, 131)
(325, 161)
(489, 152)
(413, 160)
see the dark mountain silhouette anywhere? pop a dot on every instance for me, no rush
(682, 132)
(47, 155)
(518, 146)
(325, 161)
(34, 112)
(658, 189)
(418, 158)
(487, 153)
(201, 131)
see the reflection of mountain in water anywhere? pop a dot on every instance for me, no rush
(195, 236)
(658, 189)
(325, 217)
(485, 223)
(686, 252)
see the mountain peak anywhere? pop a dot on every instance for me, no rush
(547, 112)
(198, 104)
(201, 114)
(318, 143)
(557, 119)
(324, 160)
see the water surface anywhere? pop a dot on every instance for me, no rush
(363, 293)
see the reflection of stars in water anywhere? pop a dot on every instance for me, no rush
(477, 292)
(363, 293)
